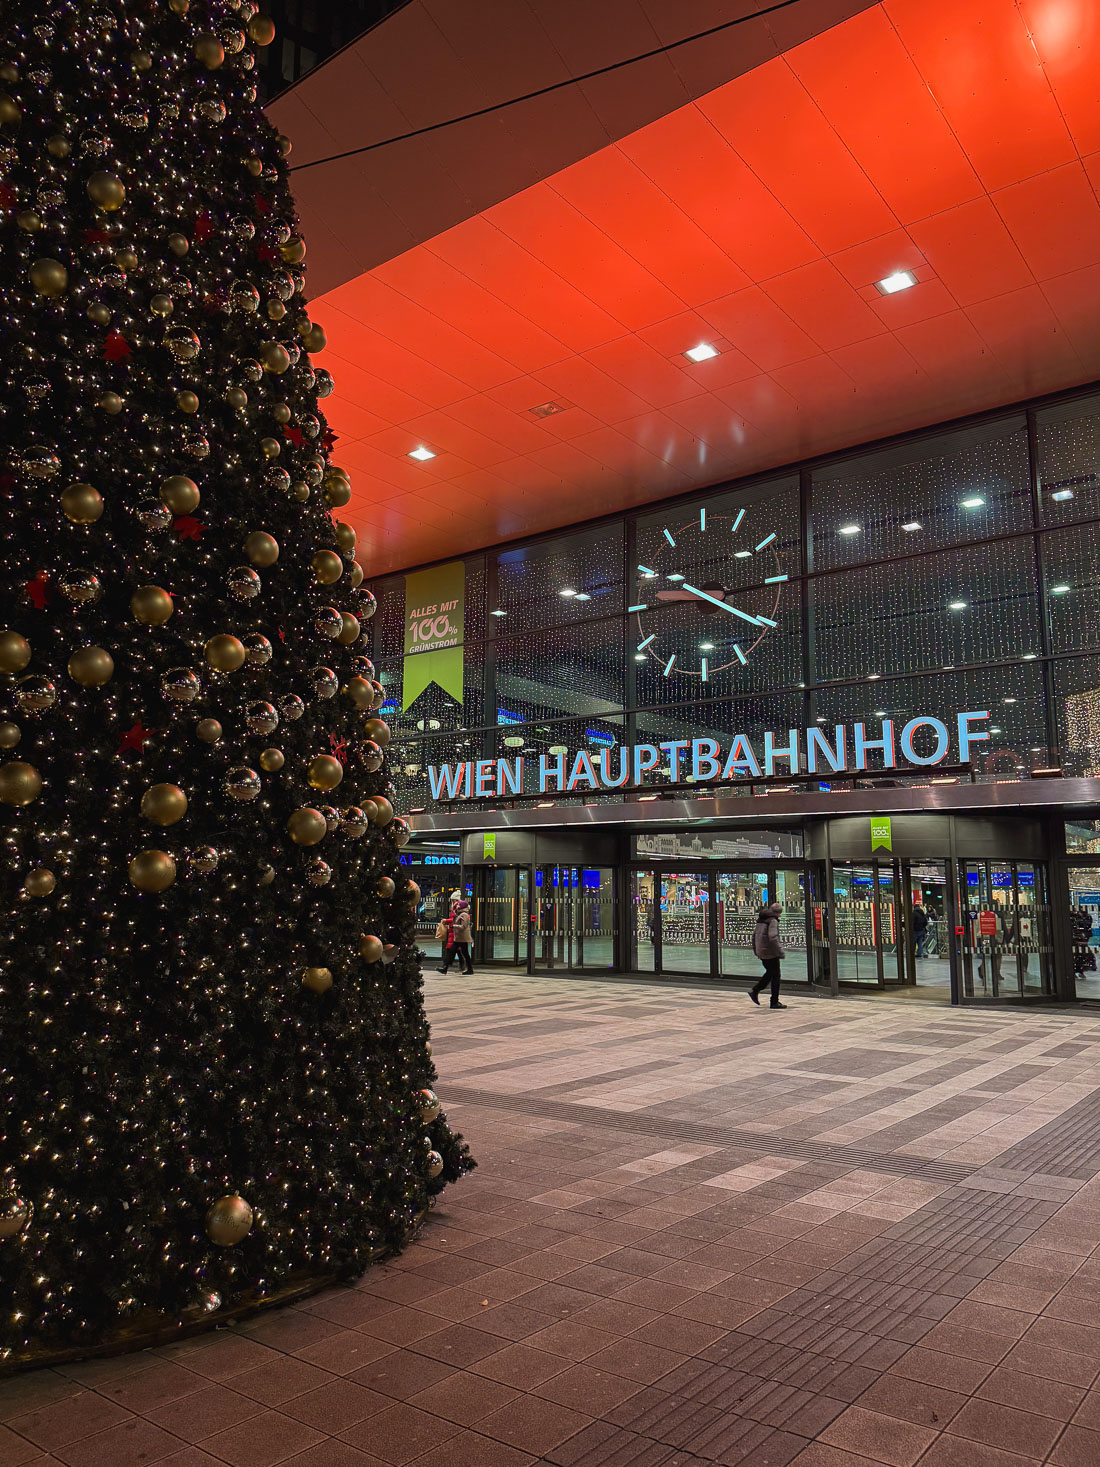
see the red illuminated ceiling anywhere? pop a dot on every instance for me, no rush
(957, 139)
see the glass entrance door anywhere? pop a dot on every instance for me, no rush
(1005, 925)
(892, 925)
(574, 912)
(1084, 927)
(685, 921)
(500, 915)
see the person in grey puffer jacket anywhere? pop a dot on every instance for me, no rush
(768, 948)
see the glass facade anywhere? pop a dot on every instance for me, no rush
(957, 569)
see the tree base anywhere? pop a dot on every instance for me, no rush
(153, 1331)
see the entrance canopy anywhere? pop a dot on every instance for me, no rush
(872, 217)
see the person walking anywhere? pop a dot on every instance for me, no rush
(768, 948)
(445, 931)
(461, 934)
(920, 927)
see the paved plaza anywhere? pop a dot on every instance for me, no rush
(855, 1232)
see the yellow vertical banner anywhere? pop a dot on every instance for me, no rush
(435, 619)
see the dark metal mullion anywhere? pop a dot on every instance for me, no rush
(1050, 711)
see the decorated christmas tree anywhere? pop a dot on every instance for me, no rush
(215, 1074)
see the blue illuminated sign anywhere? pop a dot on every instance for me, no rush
(920, 742)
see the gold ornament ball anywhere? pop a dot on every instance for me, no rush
(413, 894)
(179, 494)
(307, 826)
(82, 503)
(360, 692)
(337, 493)
(261, 29)
(293, 253)
(15, 1215)
(49, 278)
(106, 191)
(285, 145)
(237, 397)
(327, 567)
(126, 260)
(254, 166)
(40, 882)
(141, 60)
(317, 980)
(187, 402)
(271, 447)
(272, 760)
(325, 772)
(261, 548)
(378, 730)
(164, 804)
(59, 146)
(29, 221)
(384, 810)
(111, 403)
(276, 310)
(179, 7)
(209, 730)
(210, 51)
(345, 537)
(349, 629)
(355, 575)
(275, 358)
(152, 871)
(228, 1221)
(225, 652)
(91, 667)
(20, 783)
(428, 1104)
(179, 244)
(369, 809)
(301, 492)
(15, 652)
(161, 305)
(10, 110)
(281, 412)
(151, 605)
(435, 1164)
(371, 948)
(385, 888)
(98, 313)
(10, 734)
(315, 340)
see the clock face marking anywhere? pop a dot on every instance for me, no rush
(757, 585)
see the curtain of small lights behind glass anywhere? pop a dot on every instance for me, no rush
(929, 590)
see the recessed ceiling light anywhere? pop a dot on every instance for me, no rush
(974, 502)
(639, 657)
(1008, 700)
(741, 554)
(421, 454)
(821, 718)
(701, 353)
(674, 576)
(911, 525)
(957, 605)
(582, 596)
(498, 612)
(900, 280)
(996, 730)
(547, 409)
(514, 741)
(873, 676)
(567, 591)
(849, 529)
(706, 646)
(1059, 590)
(1063, 494)
(1030, 656)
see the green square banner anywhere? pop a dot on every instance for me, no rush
(435, 617)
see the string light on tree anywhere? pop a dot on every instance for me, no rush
(222, 970)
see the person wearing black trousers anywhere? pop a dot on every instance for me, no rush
(768, 948)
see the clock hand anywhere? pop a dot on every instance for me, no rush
(733, 611)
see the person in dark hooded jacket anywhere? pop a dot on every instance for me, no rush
(768, 948)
